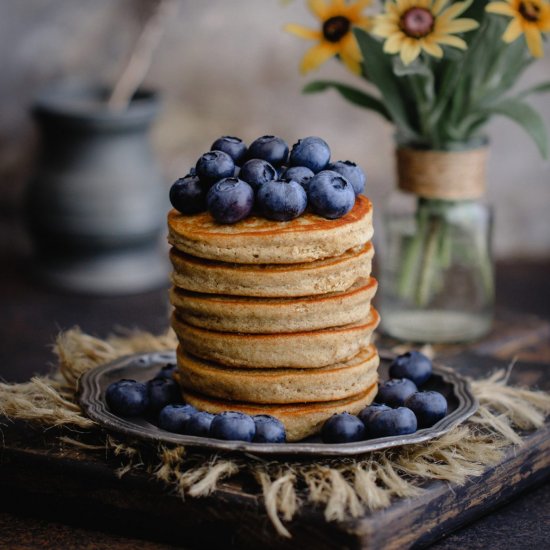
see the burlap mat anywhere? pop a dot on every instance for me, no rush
(340, 486)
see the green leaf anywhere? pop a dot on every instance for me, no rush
(525, 116)
(378, 69)
(353, 95)
(542, 88)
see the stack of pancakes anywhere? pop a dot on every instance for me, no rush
(276, 317)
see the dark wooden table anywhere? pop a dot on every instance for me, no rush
(31, 315)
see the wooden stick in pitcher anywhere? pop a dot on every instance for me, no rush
(140, 60)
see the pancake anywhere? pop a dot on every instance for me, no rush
(300, 420)
(309, 349)
(272, 280)
(257, 240)
(281, 386)
(274, 315)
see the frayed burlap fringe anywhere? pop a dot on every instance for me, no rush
(342, 487)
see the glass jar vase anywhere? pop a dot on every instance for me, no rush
(435, 259)
(436, 270)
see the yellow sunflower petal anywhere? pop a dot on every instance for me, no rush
(303, 32)
(450, 40)
(352, 64)
(364, 23)
(534, 41)
(349, 47)
(432, 48)
(438, 6)
(513, 31)
(410, 50)
(455, 10)
(385, 29)
(391, 9)
(501, 8)
(316, 56)
(394, 43)
(319, 8)
(460, 25)
(544, 21)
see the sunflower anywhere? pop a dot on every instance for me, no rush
(530, 17)
(335, 37)
(411, 26)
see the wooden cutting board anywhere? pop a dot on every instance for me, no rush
(39, 477)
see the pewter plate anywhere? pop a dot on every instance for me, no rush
(143, 367)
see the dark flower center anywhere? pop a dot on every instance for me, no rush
(335, 28)
(417, 22)
(529, 11)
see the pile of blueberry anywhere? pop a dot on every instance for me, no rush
(159, 400)
(233, 180)
(400, 408)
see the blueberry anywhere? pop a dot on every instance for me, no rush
(368, 412)
(388, 422)
(230, 200)
(198, 424)
(301, 174)
(127, 397)
(162, 392)
(173, 418)
(342, 428)
(395, 392)
(188, 195)
(412, 365)
(281, 200)
(312, 152)
(256, 172)
(270, 148)
(428, 406)
(233, 426)
(167, 371)
(214, 166)
(351, 172)
(269, 429)
(233, 146)
(330, 194)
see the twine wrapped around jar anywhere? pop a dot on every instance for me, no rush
(447, 175)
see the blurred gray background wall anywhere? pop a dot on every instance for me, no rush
(227, 67)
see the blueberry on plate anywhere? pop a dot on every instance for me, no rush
(256, 172)
(230, 200)
(330, 194)
(233, 426)
(342, 428)
(301, 174)
(173, 418)
(214, 166)
(188, 195)
(233, 146)
(412, 365)
(368, 412)
(353, 173)
(167, 371)
(281, 200)
(400, 421)
(270, 148)
(162, 392)
(127, 397)
(312, 152)
(395, 392)
(428, 406)
(268, 429)
(198, 424)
